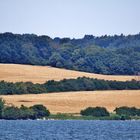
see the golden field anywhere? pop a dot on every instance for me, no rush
(73, 102)
(41, 74)
(66, 102)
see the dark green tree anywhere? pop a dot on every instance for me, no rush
(95, 111)
(40, 111)
(11, 113)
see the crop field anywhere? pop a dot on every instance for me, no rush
(41, 74)
(73, 102)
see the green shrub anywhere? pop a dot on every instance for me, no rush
(95, 111)
(11, 113)
(127, 111)
(40, 111)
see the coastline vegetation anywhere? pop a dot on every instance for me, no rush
(23, 112)
(101, 113)
(91, 113)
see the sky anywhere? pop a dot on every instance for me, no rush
(70, 18)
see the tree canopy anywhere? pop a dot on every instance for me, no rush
(95, 111)
(116, 54)
(13, 113)
(79, 84)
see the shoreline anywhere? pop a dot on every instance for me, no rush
(70, 117)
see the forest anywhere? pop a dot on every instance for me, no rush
(117, 55)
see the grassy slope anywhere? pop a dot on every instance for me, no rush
(73, 102)
(40, 74)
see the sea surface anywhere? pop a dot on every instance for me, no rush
(69, 130)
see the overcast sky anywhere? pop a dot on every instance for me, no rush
(70, 18)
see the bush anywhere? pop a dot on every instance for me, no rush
(40, 111)
(27, 113)
(95, 111)
(127, 111)
(14, 113)
(11, 113)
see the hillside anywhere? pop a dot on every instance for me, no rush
(73, 102)
(41, 74)
(114, 55)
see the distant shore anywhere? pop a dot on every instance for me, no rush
(73, 117)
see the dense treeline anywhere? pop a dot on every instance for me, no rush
(79, 84)
(14, 113)
(89, 84)
(21, 88)
(105, 54)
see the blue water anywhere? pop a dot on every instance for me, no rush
(69, 130)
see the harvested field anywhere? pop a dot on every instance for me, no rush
(41, 74)
(73, 102)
